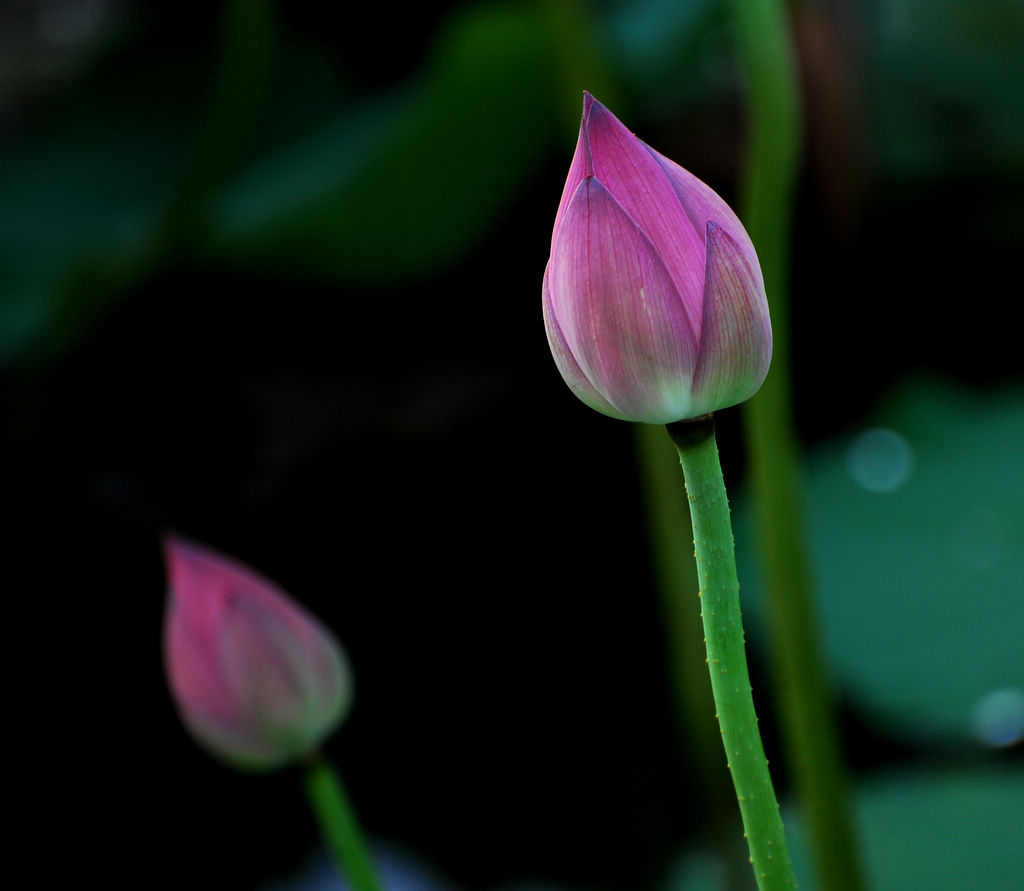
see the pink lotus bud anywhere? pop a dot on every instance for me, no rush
(258, 680)
(653, 298)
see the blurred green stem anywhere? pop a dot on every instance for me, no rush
(338, 824)
(801, 689)
(727, 660)
(676, 575)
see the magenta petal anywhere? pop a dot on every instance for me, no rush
(626, 168)
(578, 171)
(736, 342)
(571, 372)
(618, 311)
(256, 678)
(700, 202)
(194, 675)
(263, 664)
(653, 299)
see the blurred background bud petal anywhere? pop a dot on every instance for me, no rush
(258, 681)
(653, 298)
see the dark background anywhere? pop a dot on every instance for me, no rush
(351, 391)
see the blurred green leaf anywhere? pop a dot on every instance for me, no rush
(78, 199)
(407, 184)
(398, 188)
(92, 199)
(945, 84)
(921, 832)
(659, 42)
(917, 534)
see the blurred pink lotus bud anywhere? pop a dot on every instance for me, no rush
(654, 303)
(258, 681)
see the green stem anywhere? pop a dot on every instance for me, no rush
(801, 690)
(338, 824)
(675, 577)
(727, 661)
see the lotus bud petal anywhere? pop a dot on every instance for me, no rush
(654, 302)
(258, 681)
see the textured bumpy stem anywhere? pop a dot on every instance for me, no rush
(809, 734)
(727, 661)
(338, 825)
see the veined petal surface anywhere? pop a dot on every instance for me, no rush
(619, 311)
(736, 343)
(653, 298)
(625, 167)
(570, 370)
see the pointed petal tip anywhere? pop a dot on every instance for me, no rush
(170, 541)
(590, 103)
(177, 548)
(174, 548)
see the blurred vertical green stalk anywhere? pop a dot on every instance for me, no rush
(801, 685)
(668, 519)
(338, 825)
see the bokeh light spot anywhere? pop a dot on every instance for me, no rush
(998, 719)
(880, 460)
